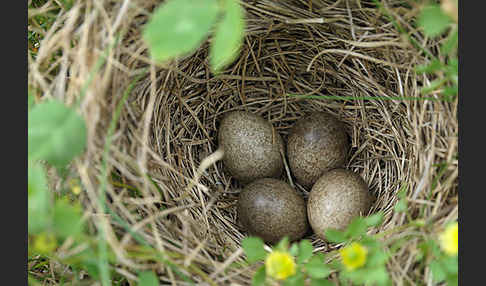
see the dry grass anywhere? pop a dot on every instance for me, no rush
(169, 123)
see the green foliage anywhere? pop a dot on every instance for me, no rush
(433, 20)
(316, 268)
(295, 280)
(434, 23)
(355, 229)
(442, 266)
(228, 36)
(305, 250)
(38, 199)
(178, 27)
(253, 247)
(401, 205)
(30, 101)
(56, 133)
(312, 266)
(335, 236)
(67, 219)
(321, 282)
(259, 277)
(283, 244)
(147, 278)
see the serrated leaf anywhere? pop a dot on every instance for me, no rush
(356, 228)
(38, 199)
(316, 268)
(253, 247)
(67, 219)
(305, 251)
(56, 133)
(148, 278)
(228, 36)
(374, 220)
(335, 236)
(259, 277)
(178, 27)
(433, 20)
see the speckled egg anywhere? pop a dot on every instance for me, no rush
(271, 209)
(336, 198)
(251, 147)
(317, 143)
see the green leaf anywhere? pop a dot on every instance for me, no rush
(228, 36)
(320, 282)
(430, 247)
(438, 272)
(430, 68)
(148, 278)
(434, 85)
(451, 264)
(178, 27)
(452, 280)
(402, 193)
(305, 251)
(294, 280)
(451, 43)
(316, 268)
(401, 206)
(253, 247)
(56, 133)
(377, 276)
(377, 258)
(67, 219)
(453, 67)
(335, 236)
(294, 249)
(357, 227)
(259, 277)
(30, 101)
(38, 199)
(86, 260)
(283, 244)
(433, 20)
(374, 220)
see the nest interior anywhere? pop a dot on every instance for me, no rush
(169, 120)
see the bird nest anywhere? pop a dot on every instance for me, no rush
(343, 57)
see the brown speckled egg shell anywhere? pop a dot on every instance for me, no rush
(336, 198)
(271, 209)
(317, 143)
(251, 147)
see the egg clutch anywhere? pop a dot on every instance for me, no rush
(316, 149)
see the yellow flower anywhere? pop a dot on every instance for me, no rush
(449, 239)
(280, 265)
(353, 256)
(75, 187)
(45, 243)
